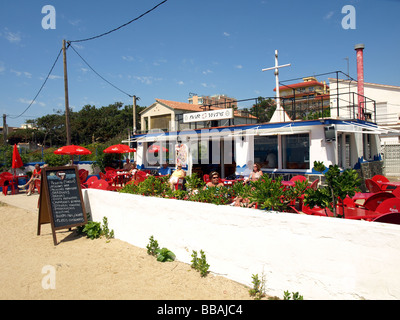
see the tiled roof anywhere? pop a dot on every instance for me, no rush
(301, 85)
(182, 105)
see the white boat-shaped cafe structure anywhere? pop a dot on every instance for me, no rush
(286, 145)
(312, 121)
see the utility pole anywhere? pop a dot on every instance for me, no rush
(134, 114)
(5, 128)
(67, 126)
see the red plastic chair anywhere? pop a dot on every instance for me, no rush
(179, 185)
(393, 218)
(378, 179)
(138, 177)
(91, 180)
(37, 185)
(7, 176)
(206, 178)
(375, 200)
(314, 185)
(391, 205)
(100, 184)
(298, 178)
(396, 192)
(348, 202)
(4, 185)
(372, 186)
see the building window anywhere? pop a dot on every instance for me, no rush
(296, 151)
(160, 122)
(266, 151)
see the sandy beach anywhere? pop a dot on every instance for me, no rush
(91, 269)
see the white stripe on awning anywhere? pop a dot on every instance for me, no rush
(352, 128)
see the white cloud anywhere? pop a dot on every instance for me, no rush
(74, 22)
(12, 37)
(181, 83)
(329, 15)
(2, 68)
(53, 77)
(207, 71)
(26, 101)
(226, 34)
(147, 79)
(206, 85)
(239, 66)
(17, 73)
(20, 73)
(128, 58)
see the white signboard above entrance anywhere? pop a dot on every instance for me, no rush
(208, 115)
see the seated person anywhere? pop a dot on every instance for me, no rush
(247, 170)
(214, 181)
(31, 183)
(179, 173)
(165, 170)
(256, 174)
(127, 166)
(270, 161)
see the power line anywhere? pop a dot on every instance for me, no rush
(48, 75)
(124, 25)
(69, 44)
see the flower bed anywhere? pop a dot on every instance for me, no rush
(264, 193)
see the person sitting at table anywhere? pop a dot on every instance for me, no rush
(256, 174)
(165, 170)
(214, 181)
(31, 183)
(127, 166)
(179, 173)
(133, 169)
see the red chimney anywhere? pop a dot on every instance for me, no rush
(360, 80)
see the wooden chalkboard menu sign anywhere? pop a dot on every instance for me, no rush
(60, 201)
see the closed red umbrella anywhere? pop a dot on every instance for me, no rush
(72, 150)
(16, 159)
(119, 148)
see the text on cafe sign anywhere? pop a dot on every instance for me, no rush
(208, 115)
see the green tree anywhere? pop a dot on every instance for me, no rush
(263, 109)
(339, 186)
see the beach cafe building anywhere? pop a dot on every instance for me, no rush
(286, 145)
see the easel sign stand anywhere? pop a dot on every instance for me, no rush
(61, 201)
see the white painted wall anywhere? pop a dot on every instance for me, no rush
(321, 258)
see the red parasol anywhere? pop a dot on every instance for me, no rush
(16, 158)
(156, 148)
(72, 150)
(119, 148)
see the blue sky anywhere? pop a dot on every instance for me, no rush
(202, 46)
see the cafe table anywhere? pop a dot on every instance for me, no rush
(288, 183)
(118, 177)
(354, 213)
(390, 184)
